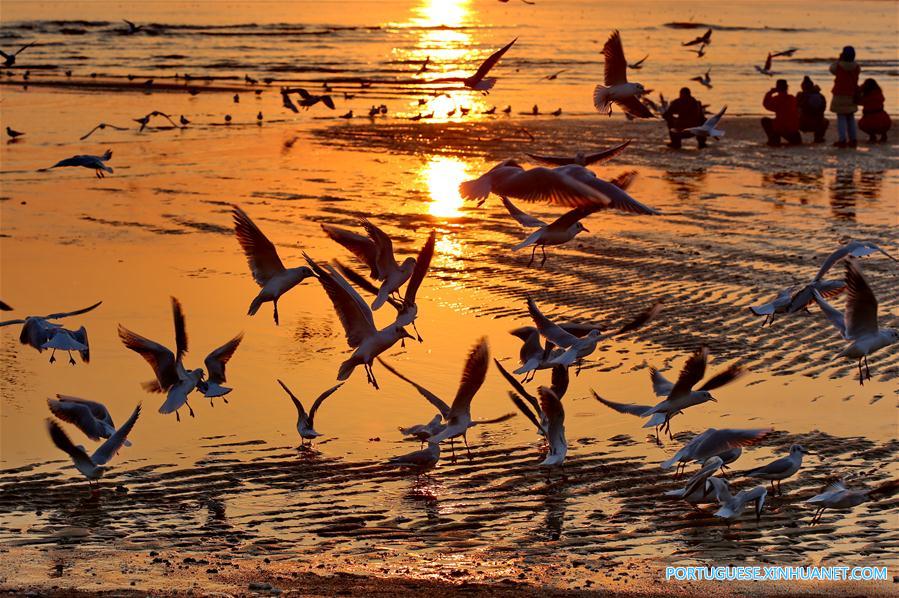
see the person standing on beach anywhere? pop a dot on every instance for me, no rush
(874, 121)
(811, 109)
(845, 85)
(683, 113)
(785, 123)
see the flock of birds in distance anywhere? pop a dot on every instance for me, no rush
(546, 345)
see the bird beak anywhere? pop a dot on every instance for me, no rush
(714, 400)
(586, 230)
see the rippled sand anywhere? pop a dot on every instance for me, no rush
(229, 489)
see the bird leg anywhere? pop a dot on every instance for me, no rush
(371, 377)
(275, 303)
(668, 429)
(418, 334)
(53, 356)
(773, 490)
(177, 417)
(861, 377)
(453, 450)
(532, 256)
(543, 250)
(867, 370)
(71, 359)
(189, 408)
(465, 439)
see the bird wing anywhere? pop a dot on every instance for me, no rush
(63, 443)
(607, 154)
(473, 376)
(75, 412)
(661, 386)
(861, 304)
(180, 329)
(422, 263)
(491, 62)
(357, 279)
(360, 246)
(526, 411)
(383, 248)
(643, 318)
(321, 399)
(548, 329)
(832, 314)
(23, 48)
(89, 133)
(554, 160)
(628, 408)
(719, 441)
(572, 217)
(296, 402)
(36, 332)
(288, 103)
(355, 316)
(517, 386)
(723, 377)
(433, 399)
(692, 372)
(615, 64)
(560, 380)
(552, 408)
(112, 445)
(640, 62)
(328, 101)
(523, 218)
(216, 360)
(552, 185)
(779, 466)
(713, 121)
(161, 359)
(633, 106)
(613, 192)
(77, 312)
(262, 256)
(768, 62)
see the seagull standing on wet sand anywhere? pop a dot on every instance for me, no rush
(616, 88)
(12, 133)
(419, 461)
(859, 324)
(837, 496)
(91, 417)
(781, 469)
(358, 323)
(306, 421)
(39, 330)
(265, 264)
(94, 466)
(96, 163)
(457, 417)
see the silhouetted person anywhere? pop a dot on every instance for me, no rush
(874, 121)
(812, 105)
(683, 113)
(845, 83)
(785, 123)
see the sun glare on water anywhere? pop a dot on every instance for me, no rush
(443, 176)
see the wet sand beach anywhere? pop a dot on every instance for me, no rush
(215, 503)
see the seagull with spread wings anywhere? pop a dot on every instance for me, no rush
(705, 80)
(582, 159)
(90, 417)
(713, 443)
(265, 264)
(358, 323)
(376, 251)
(10, 59)
(480, 81)
(838, 496)
(212, 385)
(41, 333)
(101, 127)
(859, 324)
(92, 466)
(615, 87)
(704, 39)
(766, 70)
(95, 163)
(306, 420)
(457, 417)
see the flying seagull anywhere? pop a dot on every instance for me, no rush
(306, 421)
(10, 59)
(39, 331)
(616, 88)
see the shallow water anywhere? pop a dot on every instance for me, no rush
(739, 222)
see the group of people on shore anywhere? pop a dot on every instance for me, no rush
(804, 112)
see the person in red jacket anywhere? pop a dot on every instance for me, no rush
(874, 121)
(845, 84)
(785, 123)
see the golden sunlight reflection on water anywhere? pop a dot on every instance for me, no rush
(443, 176)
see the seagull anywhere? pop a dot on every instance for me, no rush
(407, 307)
(700, 52)
(788, 52)
(838, 496)
(780, 469)
(639, 64)
(265, 264)
(616, 88)
(766, 70)
(707, 129)
(358, 323)
(10, 59)
(696, 491)
(712, 443)
(457, 417)
(94, 466)
(680, 396)
(859, 325)
(419, 461)
(90, 417)
(853, 249)
(132, 28)
(422, 432)
(12, 133)
(287, 102)
(582, 159)
(307, 99)
(38, 331)
(549, 418)
(145, 120)
(66, 340)
(534, 356)
(100, 127)
(554, 76)
(704, 39)
(305, 421)
(96, 163)
(215, 363)
(376, 252)
(480, 81)
(510, 179)
(567, 226)
(171, 377)
(732, 506)
(704, 80)
(795, 299)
